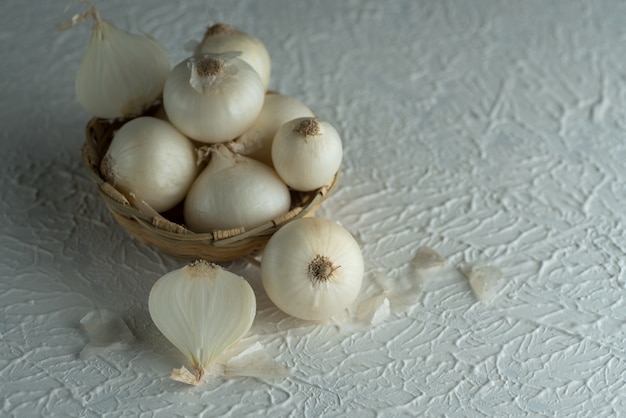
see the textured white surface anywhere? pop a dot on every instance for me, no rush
(491, 131)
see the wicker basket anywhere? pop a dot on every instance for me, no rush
(166, 231)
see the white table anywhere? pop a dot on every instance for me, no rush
(491, 131)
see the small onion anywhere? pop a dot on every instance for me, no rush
(312, 268)
(234, 191)
(221, 38)
(277, 110)
(149, 158)
(306, 153)
(213, 98)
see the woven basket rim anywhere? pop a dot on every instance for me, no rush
(155, 228)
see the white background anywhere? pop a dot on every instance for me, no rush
(491, 131)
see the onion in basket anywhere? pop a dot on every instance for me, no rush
(151, 160)
(221, 38)
(277, 110)
(213, 98)
(307, 153)
(234, 191)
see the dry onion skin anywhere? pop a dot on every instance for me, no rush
(202, 310)
(485, 281)
(151, 160)
(312, 268)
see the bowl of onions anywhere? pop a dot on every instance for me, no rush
(199, 160)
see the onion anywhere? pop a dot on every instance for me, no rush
(307, 153)
(151, 160)
(213, 98)
(277, 110)
(234, 191)
(221, 38)
(312, 268)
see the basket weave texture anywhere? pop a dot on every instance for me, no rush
(166, 231)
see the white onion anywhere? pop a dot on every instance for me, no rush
(306, 153)
(221, 38)
(213, 98)
(312, 268)
(202, 309)
(121, 74)
(234, 191)
(149, 158)
(277, 110)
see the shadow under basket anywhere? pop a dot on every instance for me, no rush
(166, 230)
